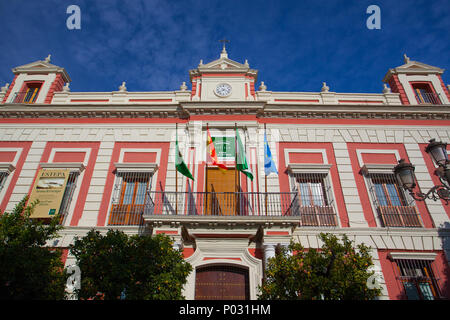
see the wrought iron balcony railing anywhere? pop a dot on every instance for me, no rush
(24, 97)
(400, 216)
(427, 98)
(245, 204)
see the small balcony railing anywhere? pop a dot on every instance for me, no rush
(244, 204)
(427, 98)
(24, 97)
(400, 216)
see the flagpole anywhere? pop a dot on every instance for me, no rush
(265, 176)
(206, 172)
(176, 171)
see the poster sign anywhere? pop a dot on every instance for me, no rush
(224, 148)
(49, 189)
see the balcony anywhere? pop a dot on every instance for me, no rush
(25, 97)
(400, 216)
(427, 98)
(245, 207)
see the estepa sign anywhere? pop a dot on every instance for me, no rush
(49, 189)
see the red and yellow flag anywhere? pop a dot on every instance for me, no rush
(212, 152)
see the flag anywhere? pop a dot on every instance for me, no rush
(212, 152)
(179, 163)
(269, 164)
(241, 161)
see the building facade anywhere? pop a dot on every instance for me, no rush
(334, 152)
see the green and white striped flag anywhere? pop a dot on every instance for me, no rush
(241, 160)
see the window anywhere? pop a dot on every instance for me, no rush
(68, 195)
(129, 196)
(417, 279)
(394, 207)
(424, 94)
(315, 200)
(29, 93)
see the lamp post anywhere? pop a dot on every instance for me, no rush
(404, 173)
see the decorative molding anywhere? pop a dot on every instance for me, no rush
(136, 167)
(413, 255)
(73, 166)
(377, 168)
(309, 168)
(6, 166)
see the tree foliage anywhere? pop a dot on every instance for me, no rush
(116, 265)
(337, 271)
(29, 269)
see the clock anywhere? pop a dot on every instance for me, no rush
(223, 90)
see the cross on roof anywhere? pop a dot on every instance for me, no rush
(224, 41)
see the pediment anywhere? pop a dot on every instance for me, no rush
(37, 65)
(415, 66)
(41, 66)
(224, 64)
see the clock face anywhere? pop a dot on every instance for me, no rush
(223, 90)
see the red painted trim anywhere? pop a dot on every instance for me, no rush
(89, 100)
(150, 100)
(359, 101)
(296, 100)
(161, 173)
(166, 232)
(84, 187)
(387, 122)
(57, 85)
(431, 169)
(447, 93)
(93, 120)
(187, 252)
(11, 86)
(335, 180)
(216, 258)
(369, 215)
(257, 252)
(64, 254)
(223, 75)
(277, 233)
(397, 87)
(246, 90)
(25, 145)
(7, 156)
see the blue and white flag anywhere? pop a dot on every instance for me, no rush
(269, 164)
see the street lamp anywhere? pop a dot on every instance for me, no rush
(404, 173)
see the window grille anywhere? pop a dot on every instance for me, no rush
(417, 278)
(129, 196)
(315, 199)
(68, 195)
(394, 207)
(3, 178)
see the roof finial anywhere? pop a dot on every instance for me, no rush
(123, 87)
(224, 53)
(406, 58)
(48, 58)
(324, 88)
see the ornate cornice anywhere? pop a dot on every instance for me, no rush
(259, 109)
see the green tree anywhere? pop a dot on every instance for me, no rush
(116, 265)
(337, 271)
(28, 268)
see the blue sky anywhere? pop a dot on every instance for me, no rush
(295, 45)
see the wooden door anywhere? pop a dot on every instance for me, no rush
(220, 188)
(222, 283)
